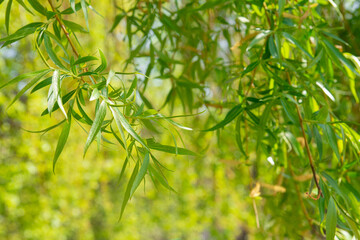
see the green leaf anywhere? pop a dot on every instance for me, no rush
(57, 40)
(96, 126)
(110, 76)
(7, 15)
(169, 149)
(281, 4)
(340, 56)
(103, 64)
(258, 38)
(62, 140)
(95, 94)
(238, 136)
(28, 86)
(21, 33)
(64, 100)
(330, 134)
(74, 26)
(51, 53)
(84, 60)
(22, 77)
(84, 8)
(296, 43)
(289, 110)
(231, 115)
(121, 120)
(141, 173)
(72, 4)
(117, 20)
(318, 141)
(38, 7)
(128, 189)
(331, 219)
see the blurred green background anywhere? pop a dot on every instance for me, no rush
(82, 199)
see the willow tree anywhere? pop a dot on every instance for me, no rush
(277, 69)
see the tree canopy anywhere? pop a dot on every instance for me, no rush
(245, 112)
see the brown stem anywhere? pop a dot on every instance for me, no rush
(64, 29)
(311, 161)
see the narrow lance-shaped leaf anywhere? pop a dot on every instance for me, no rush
(7, 15)
(331, 219)
(84, 8)
(51, 53)
(339, 55)
(96, 126)
(28, 86)
(128, 189)
(332, 140)
(103, 64)
(22, 77)
(62, 140)
(169, 149)
(54, 90)
(141, 173)
(120, 118)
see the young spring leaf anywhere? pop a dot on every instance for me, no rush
(331, 219)
(54, 90)
(141, 173)
(96, 126)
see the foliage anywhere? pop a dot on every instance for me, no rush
(277, 68)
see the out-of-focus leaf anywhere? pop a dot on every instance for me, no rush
(141, 174)
(331, 219)
(330, 134)
(231, 115)
(103, 64)
(84, 8)
(340, 56)
(74, 26)
(296, 43)
(117, 20)
(96, 126)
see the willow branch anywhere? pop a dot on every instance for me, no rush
(311, 161)
(64, 29)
